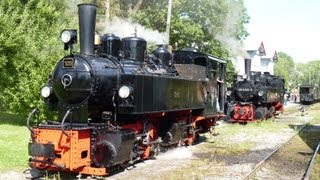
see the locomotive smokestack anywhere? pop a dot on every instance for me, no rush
(87, 26)
(247, 67)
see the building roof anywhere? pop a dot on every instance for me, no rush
(260, 50)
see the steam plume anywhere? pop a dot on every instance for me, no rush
(125, 28)
(227, 35)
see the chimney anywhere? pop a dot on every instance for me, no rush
(87, 26)
(247, 67)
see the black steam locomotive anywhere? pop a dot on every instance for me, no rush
(117, 104)
(254, 96)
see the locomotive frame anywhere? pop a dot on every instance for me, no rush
(117, 106)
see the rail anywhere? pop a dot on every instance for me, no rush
(310, 166)
(259, 165)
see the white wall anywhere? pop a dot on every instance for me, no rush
(258, 63)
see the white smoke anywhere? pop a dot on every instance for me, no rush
(227, 35)
(126, 28)
(178, 153)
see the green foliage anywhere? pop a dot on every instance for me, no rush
(29, 32)
(308, 73)
(299, 73)
(285, 68)
(194, 23)
(198, 23)
(296, 74)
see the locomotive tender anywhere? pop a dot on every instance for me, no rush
(254, 96)
(116, 104)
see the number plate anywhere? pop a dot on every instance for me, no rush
(68, 63)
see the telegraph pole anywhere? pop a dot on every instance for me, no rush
(107, 6)
(168, 22)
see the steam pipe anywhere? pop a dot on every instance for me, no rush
(247, 67)
(87, 26)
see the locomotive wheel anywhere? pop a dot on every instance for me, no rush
(272, 111)
(105, 154)
(261, 113)
(229, 114)
(193, 136)
(151, 150)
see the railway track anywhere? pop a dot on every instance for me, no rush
(269, 156)
(310, 166)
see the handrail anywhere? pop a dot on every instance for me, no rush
(35, 110)
(62, 123)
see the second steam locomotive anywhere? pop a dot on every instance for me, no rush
(254, 96)
(117, 104)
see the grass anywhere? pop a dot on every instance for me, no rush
(234, 139)
(14, 138)
(315, 173)
(313, 137)
(13, 147)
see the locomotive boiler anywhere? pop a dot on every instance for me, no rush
(254, 96)
(117, 104)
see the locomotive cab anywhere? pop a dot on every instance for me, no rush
(209, 69)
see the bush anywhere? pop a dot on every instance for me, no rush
(30, 48)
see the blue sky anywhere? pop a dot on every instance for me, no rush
(290, 26)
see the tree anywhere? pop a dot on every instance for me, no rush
(202, 24)
(308, 73)
(119, 8)
(30, 48)
(285, 67)
(29, 32)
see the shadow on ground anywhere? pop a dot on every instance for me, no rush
(12, 119)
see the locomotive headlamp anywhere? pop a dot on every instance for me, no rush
(124, 91)
(46, 91)
(65, 36)
(260, 93)
(68, 36)
(228, 93)
(245, 76)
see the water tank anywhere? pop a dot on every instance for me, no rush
(111, 44)
(163, 54)
(134, 48)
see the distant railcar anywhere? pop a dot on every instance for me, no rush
(309, 94)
